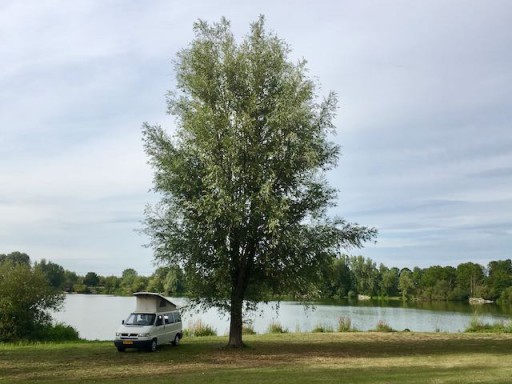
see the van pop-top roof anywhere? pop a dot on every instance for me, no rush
(148, 302)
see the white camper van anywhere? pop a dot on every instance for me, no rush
(155, 321)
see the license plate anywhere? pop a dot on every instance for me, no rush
(127, 342)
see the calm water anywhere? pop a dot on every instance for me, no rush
(97, 317)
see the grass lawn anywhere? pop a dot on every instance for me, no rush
(361, 357)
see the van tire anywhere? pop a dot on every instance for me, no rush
(176, 340)
(120, 349)
(153, 346)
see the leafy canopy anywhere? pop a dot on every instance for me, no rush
(26, 299)
(242, 179)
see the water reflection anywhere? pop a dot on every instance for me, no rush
(445, 306)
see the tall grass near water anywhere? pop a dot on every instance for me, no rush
(477, 325)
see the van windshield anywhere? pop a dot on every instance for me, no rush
(140, 319)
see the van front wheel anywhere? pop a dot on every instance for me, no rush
(153, 346)
(176, 341)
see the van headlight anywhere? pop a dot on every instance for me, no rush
(118, 334)
(144, 334)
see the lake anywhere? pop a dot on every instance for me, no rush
(96, 317)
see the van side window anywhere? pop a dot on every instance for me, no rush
(159, 320)
(166, 318)
(177, 317)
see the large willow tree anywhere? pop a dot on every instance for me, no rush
(244, 196)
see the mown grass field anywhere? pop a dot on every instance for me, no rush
(361, 357)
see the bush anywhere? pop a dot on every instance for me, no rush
(321, 328)
(26, 299)
(382, 326)
(198, 328)
(248, 329)
(58, 332)
(478, 326)
(276, 327)
(345, 325)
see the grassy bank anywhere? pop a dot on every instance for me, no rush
(273, 358)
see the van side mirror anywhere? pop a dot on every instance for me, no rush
(122, 322)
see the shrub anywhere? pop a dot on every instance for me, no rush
(58, 332)
(345, 325)
(248, 329)
(276, 327)
(477, 325)
(26, 299)
(198, 328)
(382, 326)
(321, 328)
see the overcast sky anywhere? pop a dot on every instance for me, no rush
(425, 116)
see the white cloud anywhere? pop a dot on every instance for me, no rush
(424, 94)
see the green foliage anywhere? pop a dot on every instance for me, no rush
(131, 282)
(458, 294)
(57, 333)
(248, 328)
(276, 327)
(366, 275)
(405, 283)
(80, 288)
(110, 285)
(388, 281)
(70, 279)
(338, 279)
(383, 326)
(54, 273)
(25, 301)
(168, 280)
(244, 194)
(198, 329)
(477, 325)
(345, 325)
(500, 276)
(322, 328)
(469, 277)
(15, 258)
(91, 279)
(506, 296)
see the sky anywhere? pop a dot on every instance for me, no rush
(424, 121)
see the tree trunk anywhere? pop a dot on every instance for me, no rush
(240, 282)
(236, 322)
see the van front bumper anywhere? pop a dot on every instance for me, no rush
(139, 344)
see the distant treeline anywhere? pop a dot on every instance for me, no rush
(350, 276)
(347, 276)
(167, 280)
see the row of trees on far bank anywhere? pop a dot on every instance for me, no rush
(347, 276)
(167, 280)
(350, 276)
